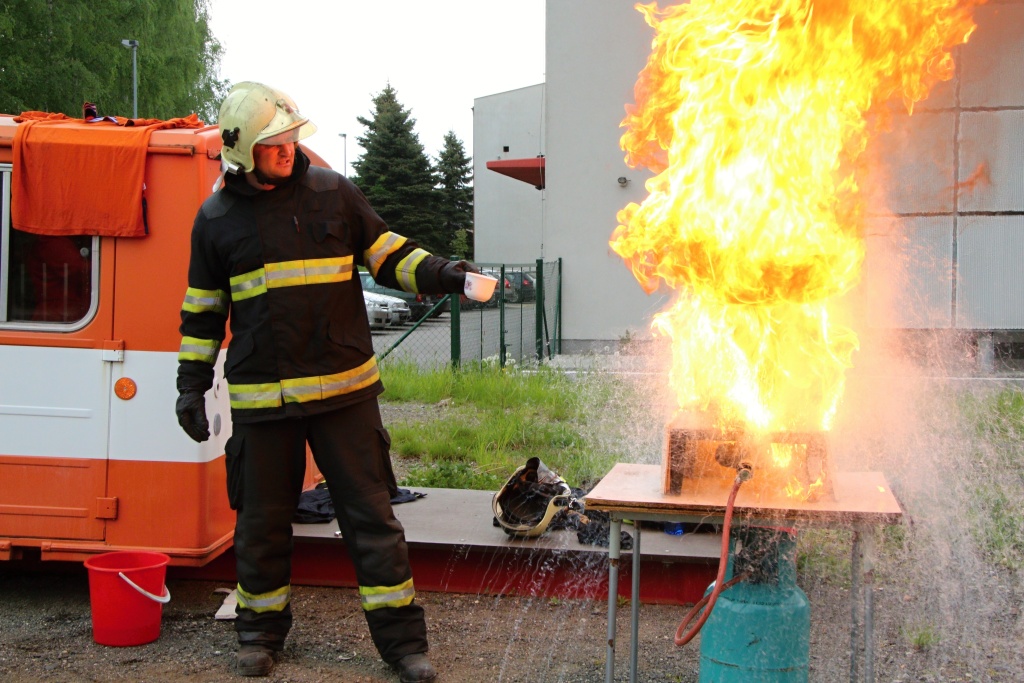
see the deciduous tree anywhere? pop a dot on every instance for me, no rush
(54, 56)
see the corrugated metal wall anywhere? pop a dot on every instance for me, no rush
(946, 242)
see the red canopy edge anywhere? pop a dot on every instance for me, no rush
(527, 170)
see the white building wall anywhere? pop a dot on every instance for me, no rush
(508, 213)
(595, 49)
(990, 227)
(951, 182)
(946, 233)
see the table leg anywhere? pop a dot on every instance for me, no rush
(614, 536)
(862, 569)
(855, 602)
(634, 616)
(868, 565)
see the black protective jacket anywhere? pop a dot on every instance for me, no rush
(281, 264)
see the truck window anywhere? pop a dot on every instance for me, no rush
(46, 282)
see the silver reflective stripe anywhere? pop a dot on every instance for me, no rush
(333, 387)
(385, 245)
(309, 272)
(204, 350)
(248, 285)
(205, 300)
(395, 596)
(283, 274)
(245, 396)
(304, 389)
(406, 270)
(273, 601)
(267, 602)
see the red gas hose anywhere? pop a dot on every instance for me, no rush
(723, 562)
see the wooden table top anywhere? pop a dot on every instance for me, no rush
(860, 497)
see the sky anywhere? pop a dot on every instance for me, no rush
(333, 56)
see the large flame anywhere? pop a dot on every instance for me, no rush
(753, 114)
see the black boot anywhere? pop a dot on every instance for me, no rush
(415, 668)
(255, 660)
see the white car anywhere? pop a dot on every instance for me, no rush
(383, 310)
(376, 311)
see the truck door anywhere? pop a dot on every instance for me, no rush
(54, 379)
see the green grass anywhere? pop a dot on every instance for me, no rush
(995, 416)
(922, 637)
(824, 554)
(997, 510)
(998, 526)
(494, 420)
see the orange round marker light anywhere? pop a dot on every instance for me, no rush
(125, 388)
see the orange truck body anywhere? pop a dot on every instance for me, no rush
(82, 469)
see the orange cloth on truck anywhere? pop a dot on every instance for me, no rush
(71, 177)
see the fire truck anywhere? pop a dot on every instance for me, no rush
(91, 455)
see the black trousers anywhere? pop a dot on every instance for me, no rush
(266, 467)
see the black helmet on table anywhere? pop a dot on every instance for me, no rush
(530, 500)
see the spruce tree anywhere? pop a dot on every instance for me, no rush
(395, 173)
(455, 175)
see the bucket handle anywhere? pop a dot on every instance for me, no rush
(162, 599)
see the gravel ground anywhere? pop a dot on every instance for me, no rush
(942, 614)
(47, 636)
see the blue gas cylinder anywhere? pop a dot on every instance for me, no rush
(759, 631)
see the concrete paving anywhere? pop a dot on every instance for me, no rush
(463, 518)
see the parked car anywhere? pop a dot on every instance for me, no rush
(523, 287)
(419, 304)
(377, 311)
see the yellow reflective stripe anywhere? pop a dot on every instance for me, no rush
(205, 300)
(285, 274)
(353, 380)
(204, 350)
(301, 389)
(375, 597)
(309, 271)
(274, 601)
(248, 285)
(386, 244)
(305, 389)
(255, 395)
(329, 270)
(406, 269)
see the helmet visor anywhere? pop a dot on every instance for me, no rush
(286, 119)
(281, 138)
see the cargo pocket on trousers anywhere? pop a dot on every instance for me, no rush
(233, 462)
(385, 461)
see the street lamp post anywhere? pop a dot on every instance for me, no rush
(344, 136)
(133, 45)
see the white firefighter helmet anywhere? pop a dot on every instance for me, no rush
(530, 500)
(254, 113)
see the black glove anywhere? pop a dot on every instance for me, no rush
(453, 275)
(191, 410)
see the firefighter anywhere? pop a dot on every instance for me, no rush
(274, 252)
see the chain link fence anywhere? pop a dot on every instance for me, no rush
(519, 324)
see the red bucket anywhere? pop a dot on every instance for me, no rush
(127, 595)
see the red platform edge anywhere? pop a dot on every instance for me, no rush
(521, 571)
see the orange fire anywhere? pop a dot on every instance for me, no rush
(753, 114)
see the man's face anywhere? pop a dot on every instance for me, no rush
(274, 162)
